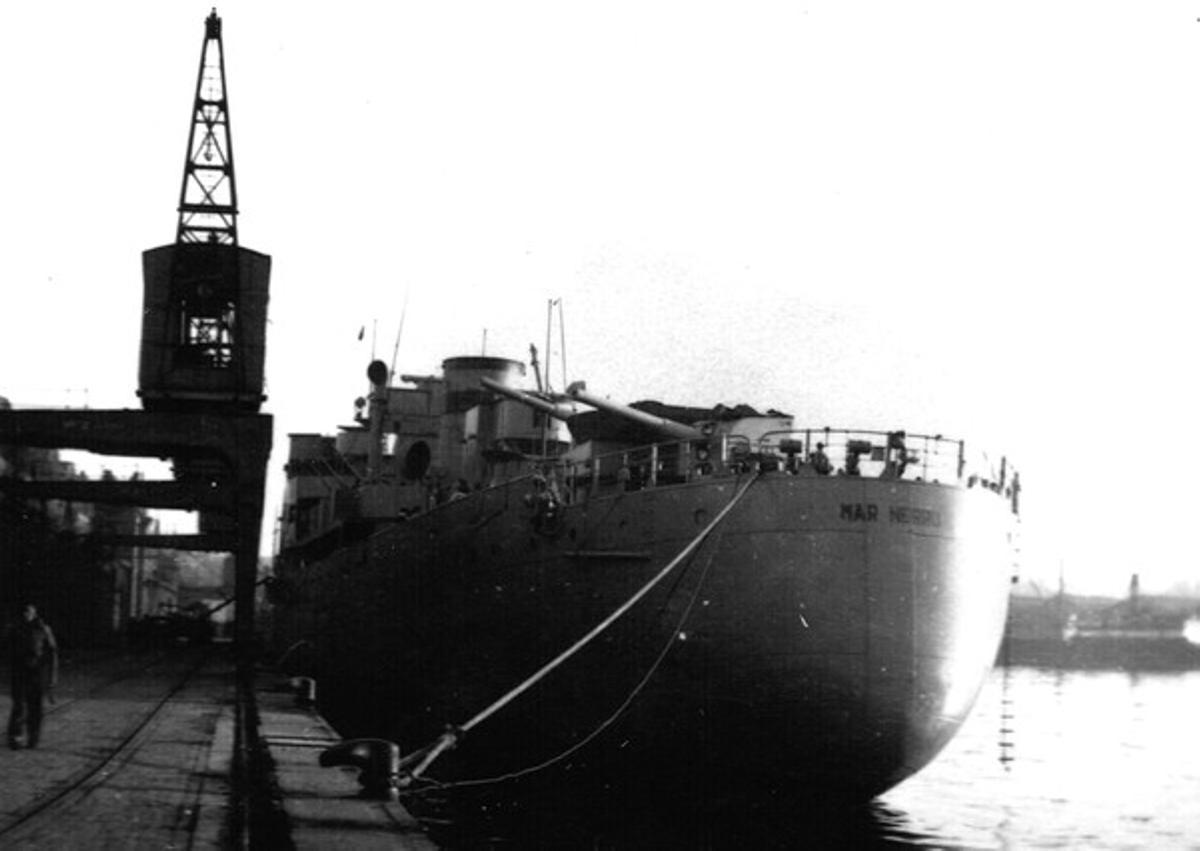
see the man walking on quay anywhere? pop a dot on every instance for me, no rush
(33, 660)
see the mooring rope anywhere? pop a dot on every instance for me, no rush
(451, 736)
(437, 786)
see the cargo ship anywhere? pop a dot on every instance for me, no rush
(700, 599)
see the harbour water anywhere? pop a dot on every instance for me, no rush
(1049, 759)
(1099, 759)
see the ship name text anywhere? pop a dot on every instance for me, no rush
(908, 515)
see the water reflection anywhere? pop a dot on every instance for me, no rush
(564, 824)
(1101, 760)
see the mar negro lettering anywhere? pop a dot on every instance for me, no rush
(914, 516)
(868, 512)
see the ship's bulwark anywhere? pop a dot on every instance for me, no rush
(829, 637)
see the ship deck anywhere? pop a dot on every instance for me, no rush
(141, 750)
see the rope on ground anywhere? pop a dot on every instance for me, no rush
(450, 737)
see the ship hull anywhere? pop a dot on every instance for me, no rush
(828, 637)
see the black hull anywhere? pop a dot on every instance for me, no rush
(830, 636)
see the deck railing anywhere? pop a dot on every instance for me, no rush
(848, 452)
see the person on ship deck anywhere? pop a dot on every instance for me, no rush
(820, 461)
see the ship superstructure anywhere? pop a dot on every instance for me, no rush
(836, 602)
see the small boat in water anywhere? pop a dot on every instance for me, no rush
(711, 599)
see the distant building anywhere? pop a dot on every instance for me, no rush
(50, 555)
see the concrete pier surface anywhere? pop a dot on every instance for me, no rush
(161, 749)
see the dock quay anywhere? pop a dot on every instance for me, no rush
(167, 748)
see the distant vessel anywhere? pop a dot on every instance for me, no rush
(814, 630)
(1130, 634)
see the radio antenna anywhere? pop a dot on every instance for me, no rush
(399, 334)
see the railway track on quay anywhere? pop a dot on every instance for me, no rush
(128, 756)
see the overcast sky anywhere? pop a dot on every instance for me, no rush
(967, 218)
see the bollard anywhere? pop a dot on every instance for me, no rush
(305, 689)
(377, 761)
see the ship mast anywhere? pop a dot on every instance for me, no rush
(208, 197)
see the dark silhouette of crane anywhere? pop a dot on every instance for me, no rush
(205, 308)
(208, 197)
(200, 373)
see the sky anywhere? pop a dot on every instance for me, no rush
(966, 218)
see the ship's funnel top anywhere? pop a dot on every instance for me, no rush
(463, 375)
